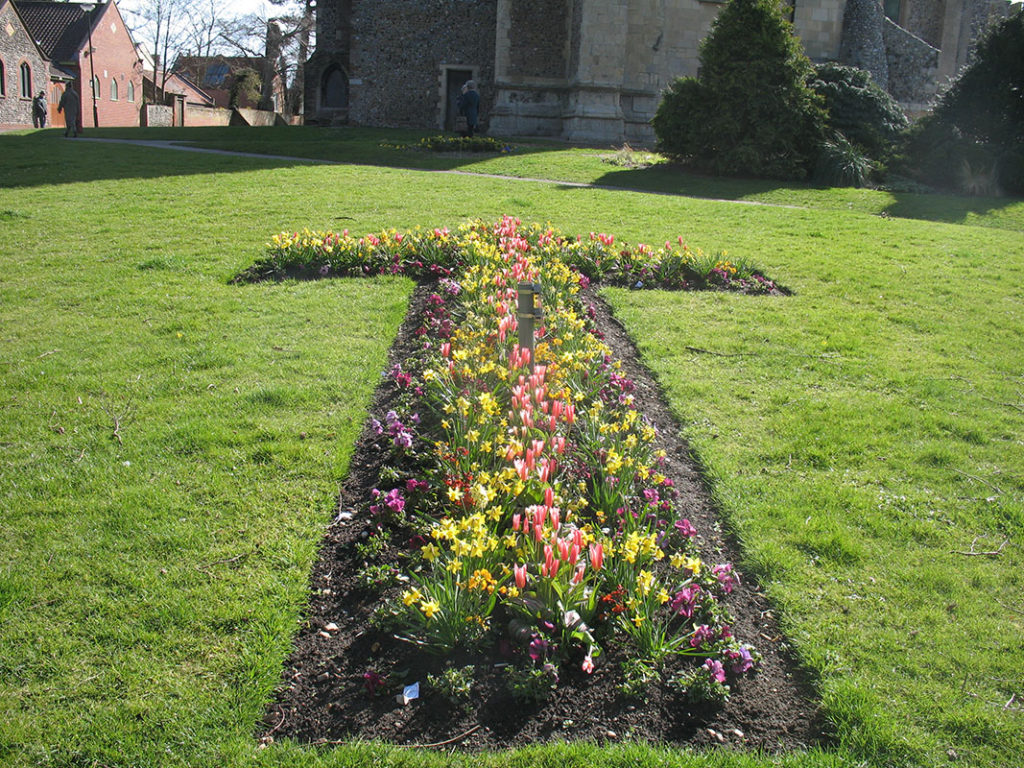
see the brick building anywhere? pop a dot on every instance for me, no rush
(24, 69)
(90, 45)
(593, 70)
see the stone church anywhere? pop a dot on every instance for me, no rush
(593, 70)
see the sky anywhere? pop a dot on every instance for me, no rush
(229, 7)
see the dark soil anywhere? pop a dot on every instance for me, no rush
(323, 698)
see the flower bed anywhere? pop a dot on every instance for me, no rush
(541, 527)
(429, 254)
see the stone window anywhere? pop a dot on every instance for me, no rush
(113, 90)
(26, 80)
(96, 87)
(131, 92)
(3, 79)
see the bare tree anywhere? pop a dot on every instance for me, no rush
(285, 39)
(203, 33)
(164, 26)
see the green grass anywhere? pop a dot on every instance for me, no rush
(584, 165)
(855, 434)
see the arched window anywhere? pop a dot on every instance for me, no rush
(113, 90)
(26, 81)
(96, 87)
(131, 92)
(3, 79)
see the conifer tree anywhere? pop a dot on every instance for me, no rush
(750, 110)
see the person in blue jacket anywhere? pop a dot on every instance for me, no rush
(469, 105)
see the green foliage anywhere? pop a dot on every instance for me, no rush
(867, 116)
(445, 143)
(750, 110)
(841, 164)
(454, 683)
(247, 86)
(974, 139)
(531, 684)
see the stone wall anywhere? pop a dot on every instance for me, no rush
(157, 116)
(16, 48)
(201, 115)
(540, 29)
(913, 68)
(819, 25)
(924, 19)
(862, 45)
(400, 51)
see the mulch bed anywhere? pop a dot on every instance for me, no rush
(323, 699)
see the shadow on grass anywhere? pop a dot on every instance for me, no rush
(950, 209)
(669, 179)
(47, 157)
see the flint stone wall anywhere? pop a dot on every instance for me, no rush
(398, 51)
(913, 68)
(540, 29)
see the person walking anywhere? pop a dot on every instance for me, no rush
(469, 105)
(68, 104)
(39, 110)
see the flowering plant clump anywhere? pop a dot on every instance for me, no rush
(543, 525)
(430, 254)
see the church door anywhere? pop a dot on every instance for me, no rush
(56, 118)
(456, 78)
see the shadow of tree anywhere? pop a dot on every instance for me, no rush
(40, 157)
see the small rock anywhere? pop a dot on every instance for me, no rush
(737, 733)
(716, 735)
(611, 735)
(323, 677)
(324, 634)
(331, 627)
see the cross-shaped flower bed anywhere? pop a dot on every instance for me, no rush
(542, 529)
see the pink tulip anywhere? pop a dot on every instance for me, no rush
(563, 548)
(577, 576)
(597, 555)
(520, 574)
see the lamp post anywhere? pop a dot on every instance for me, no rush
(89, 8)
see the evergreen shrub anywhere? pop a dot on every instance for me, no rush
(974, 139)
(750, 110)
(858, 108)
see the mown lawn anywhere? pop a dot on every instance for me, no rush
(172, 444)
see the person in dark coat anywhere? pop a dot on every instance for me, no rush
(68, 104)
(469, 105)
(39, 110)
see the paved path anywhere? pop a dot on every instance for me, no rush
(315, 161)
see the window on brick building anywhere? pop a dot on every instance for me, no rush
(26, 81)
(96, 87)
(3, 79)
(131, 92)
(113, 90)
